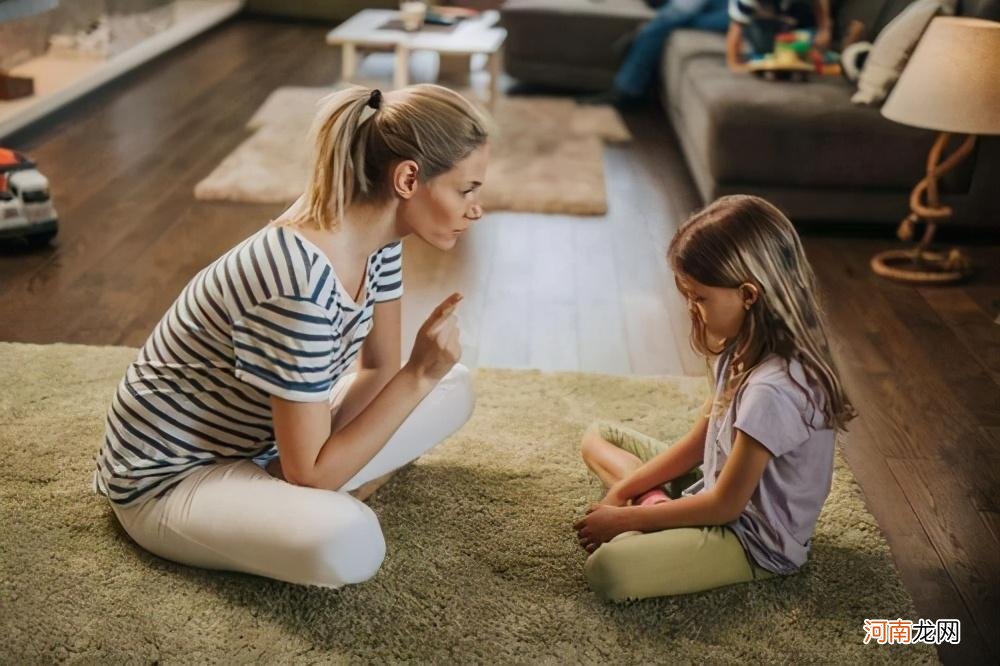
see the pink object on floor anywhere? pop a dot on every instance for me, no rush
(651, 497)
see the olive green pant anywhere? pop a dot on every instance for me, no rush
(637, 565)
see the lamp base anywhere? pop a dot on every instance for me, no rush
(918, 266)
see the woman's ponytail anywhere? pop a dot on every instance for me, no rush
(360, 133)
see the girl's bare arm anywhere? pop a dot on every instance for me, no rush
(667, 465)
(722, 504)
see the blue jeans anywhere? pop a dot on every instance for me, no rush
(639, 68)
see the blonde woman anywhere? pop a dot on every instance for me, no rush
(236, 438)
(765, 443)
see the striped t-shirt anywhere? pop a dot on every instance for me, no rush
(267, 318)
(748, 11)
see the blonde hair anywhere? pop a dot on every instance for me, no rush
(744, 239)
(359, 136)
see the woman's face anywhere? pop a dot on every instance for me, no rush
(442, 208)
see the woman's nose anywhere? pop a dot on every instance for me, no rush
(474, 213)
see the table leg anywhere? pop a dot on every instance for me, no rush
(454, 69)
(494, 67)
(349, 62)
(402, 73)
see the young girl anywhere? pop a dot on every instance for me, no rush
(765, 440)
(246, 371)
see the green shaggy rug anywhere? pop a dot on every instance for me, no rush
(482, 564)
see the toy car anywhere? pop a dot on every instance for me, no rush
(26, 209)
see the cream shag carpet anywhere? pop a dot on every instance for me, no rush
(482, 565)
(546, 155)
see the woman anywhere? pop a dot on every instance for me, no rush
(235, 438)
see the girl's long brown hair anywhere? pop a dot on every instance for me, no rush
(744, 239)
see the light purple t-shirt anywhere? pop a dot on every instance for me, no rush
(778, 523)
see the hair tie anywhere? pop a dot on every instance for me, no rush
(375, 100)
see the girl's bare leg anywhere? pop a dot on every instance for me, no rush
(610, 463)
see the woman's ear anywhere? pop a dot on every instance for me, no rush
(404, 178)
(749, 293)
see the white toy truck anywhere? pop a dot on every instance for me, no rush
(26, 209)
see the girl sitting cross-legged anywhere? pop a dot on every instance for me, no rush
(764, 441)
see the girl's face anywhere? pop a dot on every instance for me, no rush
(441, 209)
(721, 309)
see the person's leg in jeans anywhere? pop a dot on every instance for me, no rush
(235, 516)
(638, 71)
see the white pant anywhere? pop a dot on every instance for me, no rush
(235, 516)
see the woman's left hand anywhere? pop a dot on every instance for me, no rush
(601, 524)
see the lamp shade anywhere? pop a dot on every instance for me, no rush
(952, 81)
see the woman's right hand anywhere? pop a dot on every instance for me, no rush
(436, 348)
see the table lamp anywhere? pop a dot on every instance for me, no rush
(951, 84)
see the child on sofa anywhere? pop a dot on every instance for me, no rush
(759, 22)
(765, 440)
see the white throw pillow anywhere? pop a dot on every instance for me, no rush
(893, 47)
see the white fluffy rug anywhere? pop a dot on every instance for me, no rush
(546, 156)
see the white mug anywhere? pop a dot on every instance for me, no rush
(413, 14)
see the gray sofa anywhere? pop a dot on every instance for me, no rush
(804, 146)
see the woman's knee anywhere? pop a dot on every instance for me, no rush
(352, 548)
(461, 393)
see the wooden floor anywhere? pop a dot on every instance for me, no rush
(548, 292)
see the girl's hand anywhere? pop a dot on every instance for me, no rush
(613, 497)
(601, 524)
(436, 348)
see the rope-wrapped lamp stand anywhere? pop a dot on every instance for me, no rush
(920, 265)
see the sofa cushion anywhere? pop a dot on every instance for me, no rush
(682, 47)
(793, 134)
(893, 47)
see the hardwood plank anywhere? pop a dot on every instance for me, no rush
(946, 515)
(992, 521)
(116, 282)
(552, 335)
(504, 339)
(972, 325)
(650, 194)
(920, 565)
(116, 133)
(431, 275)
(600, 314)
(910, 395)
(963, 375)
(120, 227)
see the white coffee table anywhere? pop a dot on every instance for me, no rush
(473, 35)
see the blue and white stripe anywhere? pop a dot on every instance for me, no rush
(747, 11)
(267, 318)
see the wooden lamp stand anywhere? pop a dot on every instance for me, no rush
(920, 265)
